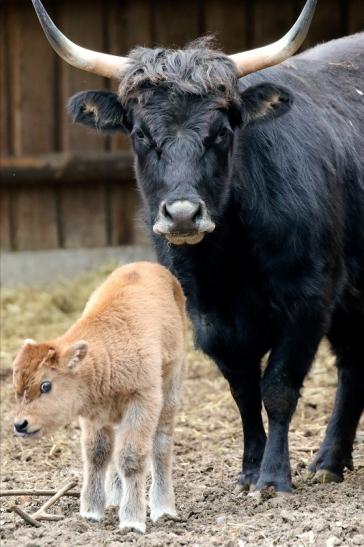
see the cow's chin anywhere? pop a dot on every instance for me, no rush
(37, 434)
(185, 239)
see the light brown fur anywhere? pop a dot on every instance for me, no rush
(119, 368)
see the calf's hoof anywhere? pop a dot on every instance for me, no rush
(132, 526)
(92, 515)
(168, 513)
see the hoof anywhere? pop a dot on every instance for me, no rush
(246, 481)
(92, 515)
(324, 476)
(309, 475)
(325, 461)
(269, 493)
(238, 488)
(284, 493)
(132, 526)
(165, 514)
(271, 484)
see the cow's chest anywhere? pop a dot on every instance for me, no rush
(229, 308)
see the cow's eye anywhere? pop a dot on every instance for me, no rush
(222, 134)
(45, 387)
(139, 133)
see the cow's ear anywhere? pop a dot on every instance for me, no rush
(98, 109)
(264, 102)
(76, 353)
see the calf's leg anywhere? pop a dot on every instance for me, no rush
(161, 496)
(113, 486)
(97, 446)
(133, 450)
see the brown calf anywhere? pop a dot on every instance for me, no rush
(119, 368)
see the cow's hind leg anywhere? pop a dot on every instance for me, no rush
(335, 453)
(161, 496)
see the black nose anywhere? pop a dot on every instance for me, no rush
(182, 214)
(21, 426)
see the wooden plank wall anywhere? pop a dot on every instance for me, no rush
(35, 86)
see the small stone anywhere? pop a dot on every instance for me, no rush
(332, 541)
(308, 538)
(319, 525)
(286, 516)
(358, 539)
(220, 520)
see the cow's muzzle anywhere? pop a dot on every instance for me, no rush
(183, 221)
(22, 429)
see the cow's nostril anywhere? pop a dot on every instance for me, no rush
(21, 425)
(165, 212)
(198, 213)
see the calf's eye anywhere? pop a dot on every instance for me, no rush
(45, 387)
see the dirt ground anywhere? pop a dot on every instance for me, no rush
(207, 456)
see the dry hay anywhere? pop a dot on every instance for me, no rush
(208, 451)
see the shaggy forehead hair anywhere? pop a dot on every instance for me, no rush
(198, 69)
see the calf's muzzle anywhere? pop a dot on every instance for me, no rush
(20, 426)
(183, 221)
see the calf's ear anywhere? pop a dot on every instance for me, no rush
(29, 342)
(100, 110)
(264, 102)
(76, 353)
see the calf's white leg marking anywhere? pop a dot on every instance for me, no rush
(161, 496)
(97, 445)
(135, 439)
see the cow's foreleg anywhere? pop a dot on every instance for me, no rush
(245, 388)
(97, 446)
(289, 362)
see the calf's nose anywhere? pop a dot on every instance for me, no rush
(183, 214)
(21, 426)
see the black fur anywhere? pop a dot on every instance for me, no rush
(285, 265)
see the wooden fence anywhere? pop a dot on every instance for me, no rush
(63, 186)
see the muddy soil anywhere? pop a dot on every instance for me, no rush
(207, 457)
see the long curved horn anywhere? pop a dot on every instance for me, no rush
(109, 66)
(273, 54)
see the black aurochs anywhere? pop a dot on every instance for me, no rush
(253, 191)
